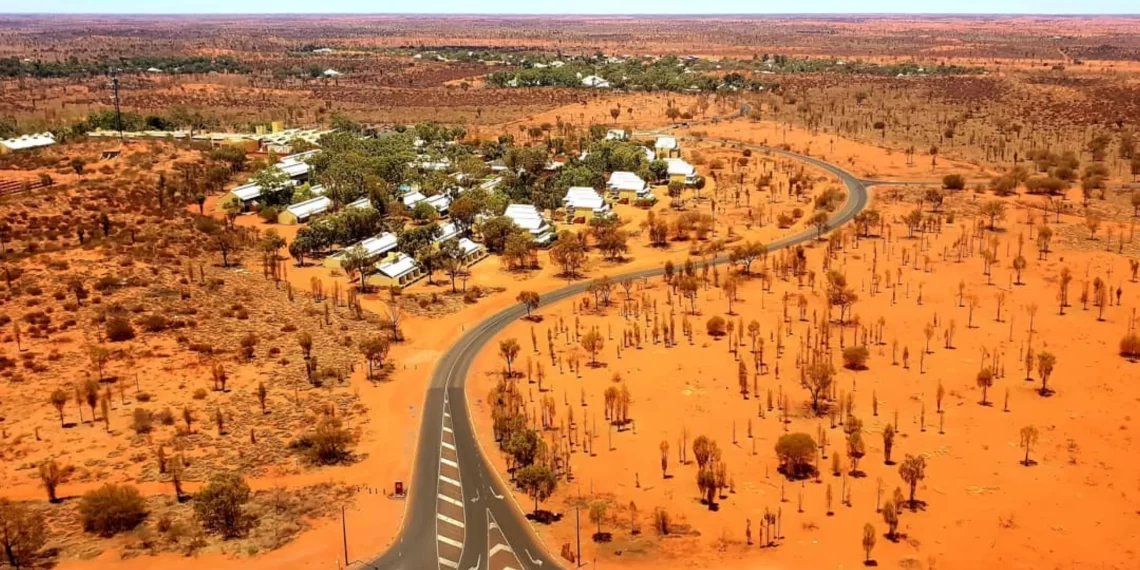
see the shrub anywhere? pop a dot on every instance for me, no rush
(1130, 346)
(268, 214)
(142, 421)
(119, 329)
(153, 322)
(855, 357)
(111, 509)
(143, 396)
(326, 445)
(715, 326)
(220, 505)
(796, 452)
(165, 417)
(953, 182)
(200, 394)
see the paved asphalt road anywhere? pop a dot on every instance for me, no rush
(490, 516)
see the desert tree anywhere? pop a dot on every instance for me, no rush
(597, 515)
(529, 300)
(913, 470)
(262, 394)
(509, 350)
(868, 543)
(994, 210)
(59, 398)
(1028, 438)
(985, 380)
(1045, 363)
(23, 533)
(888, 443)
(375, 350)
(1018, 266)
(593, 342)
(818, 380)
(664, 447)
(538, 481)
(796, 452)
(891, 517)
(220, 506)
(52, 474)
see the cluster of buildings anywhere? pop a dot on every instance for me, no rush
(273, 137)
(395, 268)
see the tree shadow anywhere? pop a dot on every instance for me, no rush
(68, 425)
(870, 563)
(916, 505)
(858, 474)
(534, 318)
(1028, 462)
(602, 537)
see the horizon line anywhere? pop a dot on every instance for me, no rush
(593, 14)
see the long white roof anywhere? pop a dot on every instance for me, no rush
(247, 192)
(679, 167)
(361, 203)
(398, 267)
(297, 158)
(412, 198)
(294, 169)
(526, 217)
(377, 245)
(623, 180)
(468, 247)
(440, 202)
(666, 142)
(29, 141)
(447, 231)
(310, 207)
(585, 197)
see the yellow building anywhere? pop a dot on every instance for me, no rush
(397, 270)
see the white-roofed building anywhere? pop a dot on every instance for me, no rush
(361, 203)
(528, 218)
(295, 170)
(472, 252)
(412, 198)
(447, 230)
(649, 154)
(374, 247)
(628, 186)
(397, 270)
(583, 202)
(595, 82)
(440, 202)
(681, 171)
(667, 147)
(25, 142)
(617, 135)
(298, 157)
(301, 212)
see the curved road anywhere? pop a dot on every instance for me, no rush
(461, 515)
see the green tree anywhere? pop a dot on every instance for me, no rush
(913, 470)
(538, 481)
(356, 260)
(529, 300)
(112, 509)
(220, 505)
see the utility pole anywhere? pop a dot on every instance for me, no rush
(115, 96)
(344, 535)
(578, 528)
